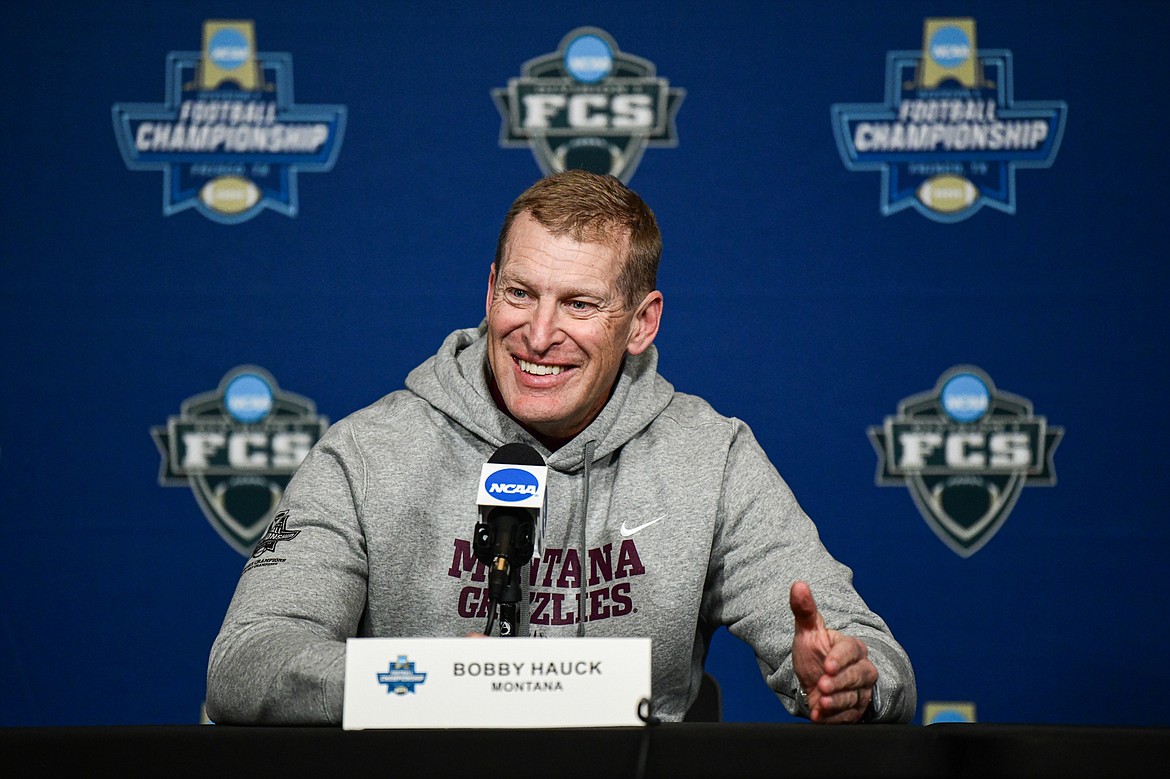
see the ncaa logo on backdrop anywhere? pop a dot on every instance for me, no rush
(236, 447)
(588, 106)
(229, 139)
(964, 450)
(950, 135)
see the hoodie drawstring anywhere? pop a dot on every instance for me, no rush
(584, 549)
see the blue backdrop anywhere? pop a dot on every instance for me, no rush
(807, 291)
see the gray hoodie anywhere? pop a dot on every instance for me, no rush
(664, 519)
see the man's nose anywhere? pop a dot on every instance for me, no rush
(544, 328)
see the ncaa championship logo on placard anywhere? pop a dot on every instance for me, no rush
(964, 450)
(229, 139)
(588, 106)
(400, 677)
(950, 135)
(236, 447)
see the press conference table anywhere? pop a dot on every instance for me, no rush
(667, 750)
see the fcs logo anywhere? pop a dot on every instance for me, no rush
(964, 451)
(236, 448)
(229, 139)
(588, 106)
(950, 135)
(512, 484)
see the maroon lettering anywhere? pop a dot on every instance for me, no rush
(559, 615)
(551, 558)
(464, 561)
(629, 564)
(539, 602)
(570, 571)
(619, 595)
(558, 572)
(598, 604)
(601, 565)
(473, 602)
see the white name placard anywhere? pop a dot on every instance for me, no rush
(495, 682)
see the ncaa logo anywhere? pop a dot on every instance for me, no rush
(964, 450)
(511, 484)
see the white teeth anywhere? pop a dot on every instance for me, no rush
(540, 370)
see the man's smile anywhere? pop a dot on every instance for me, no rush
(536, 369)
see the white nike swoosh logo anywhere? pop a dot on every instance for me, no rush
(629, 531)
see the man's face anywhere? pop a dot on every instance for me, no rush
(558, 328)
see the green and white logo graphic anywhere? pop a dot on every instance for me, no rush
(964, 450)
(236, 448)
(588, 106)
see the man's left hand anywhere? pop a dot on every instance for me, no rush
(833, 668)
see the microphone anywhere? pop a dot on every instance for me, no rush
(511, 503)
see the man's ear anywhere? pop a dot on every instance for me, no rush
(646, 320)
(491, 290)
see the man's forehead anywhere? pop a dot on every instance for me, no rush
(578, 275)
(600, 232)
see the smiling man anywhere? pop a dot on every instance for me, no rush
(560, 316)
(664, 518)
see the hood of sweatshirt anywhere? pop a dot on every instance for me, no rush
(454, 381)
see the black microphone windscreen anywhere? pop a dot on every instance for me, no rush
(517, 454)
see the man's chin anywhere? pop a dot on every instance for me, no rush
(542, 421)
(545, 424)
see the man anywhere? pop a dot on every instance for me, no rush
(664, 518)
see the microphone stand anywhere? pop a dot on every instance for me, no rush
(504, 541)
(509, 607)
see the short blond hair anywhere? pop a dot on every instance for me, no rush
(595, 208)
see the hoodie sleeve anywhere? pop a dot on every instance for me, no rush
(279, 657)
(764, 542)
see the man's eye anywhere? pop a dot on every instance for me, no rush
(519, 294)
(580, 305)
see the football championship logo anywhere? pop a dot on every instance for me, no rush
(964, 450)
(229, 139)
(951, 134)
(400, 677)
(588, 106)
(237, 447)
